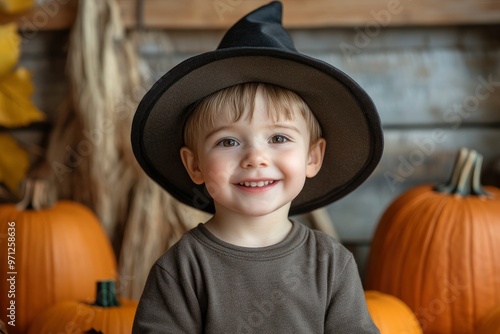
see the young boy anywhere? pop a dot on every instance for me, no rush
(252, 123)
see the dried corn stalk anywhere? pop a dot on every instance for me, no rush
(90, 152)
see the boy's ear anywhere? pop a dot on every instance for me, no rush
(316, 155)
(190, 162)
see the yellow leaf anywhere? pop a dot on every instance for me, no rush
(16, 107)
(15, 6)
(14, 163)
(9, 47)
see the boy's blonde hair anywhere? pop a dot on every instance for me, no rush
(233, 102)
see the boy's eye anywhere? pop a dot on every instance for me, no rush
(278, 139)
(228, 142)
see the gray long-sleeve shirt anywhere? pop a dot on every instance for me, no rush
(306, 284)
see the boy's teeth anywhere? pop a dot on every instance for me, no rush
(255, 184)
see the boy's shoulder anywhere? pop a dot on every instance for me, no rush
(185, 245)
(178, 257)
(328, 246)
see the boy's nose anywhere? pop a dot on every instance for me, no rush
(254, 158)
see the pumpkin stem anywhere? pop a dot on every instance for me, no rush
(106, 294)
(450, 186)
(38, 192)
(463, 187)
(465, 178)
(37, 195)
(476, 186)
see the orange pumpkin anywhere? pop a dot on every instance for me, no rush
(438, 250)
(490, 324)
(3, 330)
(390, 314)
(49, 255)
(106, 315)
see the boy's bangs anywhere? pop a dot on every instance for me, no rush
(233, 103)
(236, 102)
(281, 104)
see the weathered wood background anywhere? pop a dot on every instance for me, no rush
(220, 14)
(437, 88)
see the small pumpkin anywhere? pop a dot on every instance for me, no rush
(390, 314)
(437, 248)
(55, 253)
(490, 324)
(106, 315)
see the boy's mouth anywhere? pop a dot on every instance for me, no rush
(255, 184)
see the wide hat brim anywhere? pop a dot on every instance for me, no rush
(345, 112)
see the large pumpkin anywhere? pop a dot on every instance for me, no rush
(390, 314)
(49, 255)
(106, 315)
(438, 250)
(3, 330)
(489, 324)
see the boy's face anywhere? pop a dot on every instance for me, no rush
(254, 166)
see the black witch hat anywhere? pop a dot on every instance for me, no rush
(258, 49)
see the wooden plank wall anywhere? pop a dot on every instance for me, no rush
(220, 14)
(437, 89)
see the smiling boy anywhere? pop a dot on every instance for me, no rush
(253, 161)
(266, 132)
